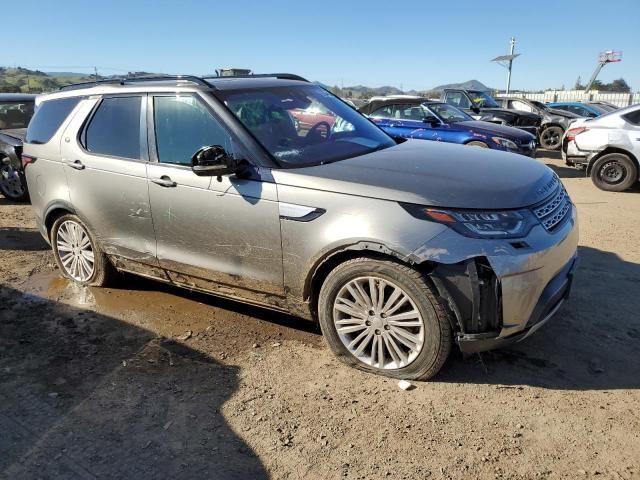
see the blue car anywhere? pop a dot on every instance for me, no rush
(412, 117)
(587, 110)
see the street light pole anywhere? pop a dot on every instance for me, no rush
(512, 44)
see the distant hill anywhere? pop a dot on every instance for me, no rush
(468, 85)
(15, 80)
(65, 74)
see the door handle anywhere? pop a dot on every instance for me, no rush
(164, 181)
(77, 164)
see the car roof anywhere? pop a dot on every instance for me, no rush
(17, 97)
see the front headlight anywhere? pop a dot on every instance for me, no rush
(478, 223)
(505, 142)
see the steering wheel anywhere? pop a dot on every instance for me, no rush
(316, 131)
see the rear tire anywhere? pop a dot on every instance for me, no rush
(614, 172)
(477, 144)
(77, 253)
(408, 338)
(551, 138)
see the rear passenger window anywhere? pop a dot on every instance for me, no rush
(183, 125)
(114, 129)
(48, 118)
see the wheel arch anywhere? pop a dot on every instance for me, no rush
(55, 211)
(607, 150)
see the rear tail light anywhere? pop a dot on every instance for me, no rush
(26, 160)
(572, 133)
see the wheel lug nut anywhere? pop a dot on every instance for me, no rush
(387, 327)
(367, 323)
(383, 315)
(378, 332)
(371, 312)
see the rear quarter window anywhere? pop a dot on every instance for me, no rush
(48, 118)
(633, 118)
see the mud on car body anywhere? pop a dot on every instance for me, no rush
(399, 249)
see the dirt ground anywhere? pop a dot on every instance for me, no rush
(148, 381)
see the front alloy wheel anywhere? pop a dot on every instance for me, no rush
(378, 323)
(383, 317)
(551, 138)
(11, 185)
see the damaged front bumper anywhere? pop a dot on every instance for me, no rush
(501, 291)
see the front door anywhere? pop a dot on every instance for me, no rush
(106, 170)
(217, 233)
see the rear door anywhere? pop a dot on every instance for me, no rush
(106, 168)
(218, 233)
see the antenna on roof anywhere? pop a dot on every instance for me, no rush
(507, 61)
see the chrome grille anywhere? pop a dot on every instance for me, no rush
(553, 210)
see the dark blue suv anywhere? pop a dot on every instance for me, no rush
(412, 117)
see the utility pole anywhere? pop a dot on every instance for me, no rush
(507, 61)
(95, 71)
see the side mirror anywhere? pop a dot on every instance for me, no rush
(433, 121)
(475, 109)
(211, 161)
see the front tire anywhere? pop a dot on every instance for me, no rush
(383, 317)
(614, 172)
(551, 138)
(12, 184)
(77, 253)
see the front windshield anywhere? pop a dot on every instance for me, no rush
(305, 125)
(482, 99)
(540, 105)
(15, 114)
(448, 113)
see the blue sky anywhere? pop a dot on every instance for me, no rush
(416, 44)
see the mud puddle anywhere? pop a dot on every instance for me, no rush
(173, 312)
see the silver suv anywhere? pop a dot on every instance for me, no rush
(272, 191)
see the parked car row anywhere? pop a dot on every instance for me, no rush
(243, 187)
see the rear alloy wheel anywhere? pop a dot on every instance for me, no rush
(551, 138)
(382, 317)
(477, 144)
(11, 184)
(614, 172)
(76, 252)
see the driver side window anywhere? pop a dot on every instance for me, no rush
(183, 125)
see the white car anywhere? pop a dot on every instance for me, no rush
(607, 147)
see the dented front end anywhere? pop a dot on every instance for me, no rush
(500, 291)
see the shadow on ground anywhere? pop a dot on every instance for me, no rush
(593, 342)
(21, 239)
(83, 395)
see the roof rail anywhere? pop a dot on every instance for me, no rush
(127, 81)
(282, 76)
(185, 78)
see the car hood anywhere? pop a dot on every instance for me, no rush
(515, 113)
(17, 133)
(562, 113)
(489, 128)
(431, 173)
